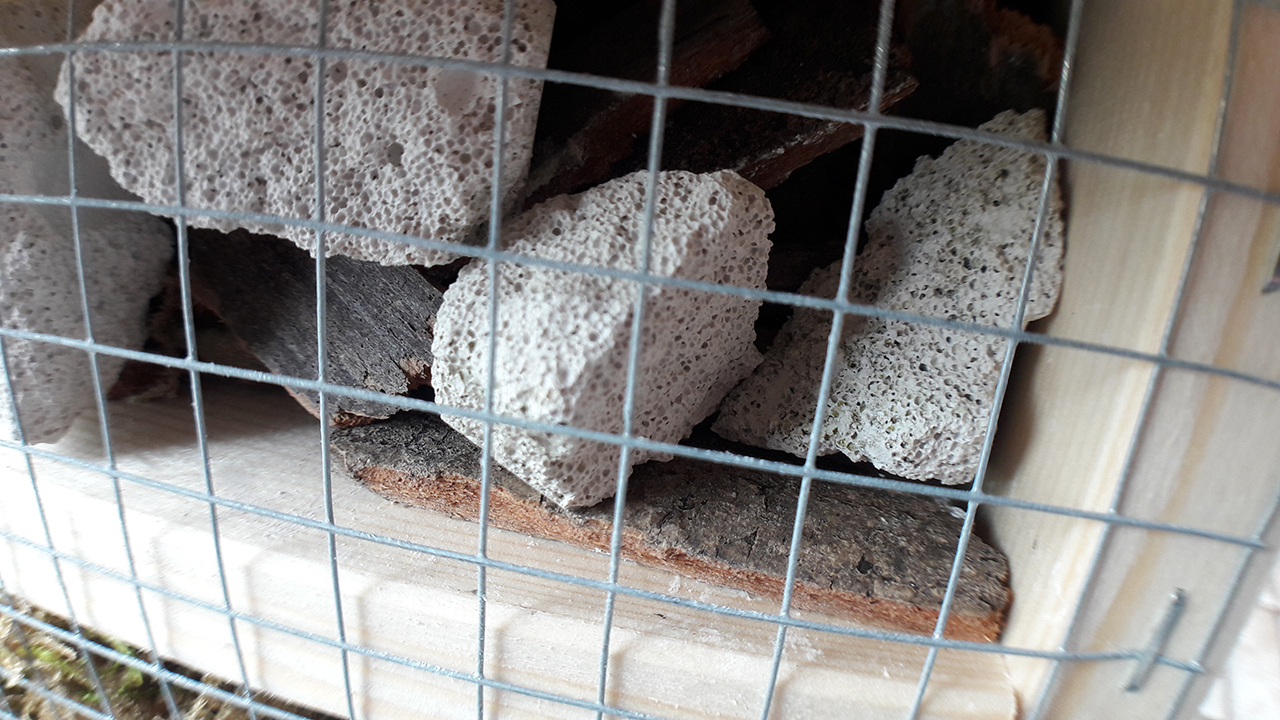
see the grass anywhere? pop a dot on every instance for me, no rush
(32, 661)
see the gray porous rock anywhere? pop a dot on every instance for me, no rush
(563, 337)
(408, 149)
(125, 256)
(950, 241)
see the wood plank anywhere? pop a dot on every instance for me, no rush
(1208, 455)
(542, 633)
(379, 318)
(1147, 87)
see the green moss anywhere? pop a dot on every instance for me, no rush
(29, 657)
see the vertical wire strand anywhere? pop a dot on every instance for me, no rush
(988, 441)
(1047, 186)
(189, 335)
(41, 680)
(1166, 339)
(496, 197)
(6, 709)
(322, 359)
(879, 71)
(20, 437)
(85, 656)
(666, 41)
(99, 393)
(1237, 580)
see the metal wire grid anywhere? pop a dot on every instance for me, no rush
(491, 253)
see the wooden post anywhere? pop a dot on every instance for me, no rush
(1147, 87)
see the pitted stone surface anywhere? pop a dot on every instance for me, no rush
(563, 337)
(125, 256)
(949, 241)
(408, 149)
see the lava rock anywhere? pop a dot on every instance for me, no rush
(408, 148)
(563, 337)
(950, 241)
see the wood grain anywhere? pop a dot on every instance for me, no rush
(1147, 86)
(379, 319)
(666, 660)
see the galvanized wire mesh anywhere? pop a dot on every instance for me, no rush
(628, 440)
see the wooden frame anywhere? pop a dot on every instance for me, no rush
(544, 634)
(1146, 87)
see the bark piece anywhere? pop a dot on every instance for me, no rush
(379, 318)
(974, 60)
(584, 131)
(821, 53)
(871, 556)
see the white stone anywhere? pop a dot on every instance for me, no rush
(950, 241)
(409, 149)
(125, 258)
(563, 337)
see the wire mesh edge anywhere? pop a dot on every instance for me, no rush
(658, 91)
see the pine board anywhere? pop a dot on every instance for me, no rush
(666, 660)
(1147, 87)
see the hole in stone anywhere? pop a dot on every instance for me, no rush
(395, 151)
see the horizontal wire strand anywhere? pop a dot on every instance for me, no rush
(158, 673)
(819, 112)
(751, 463)
(252, 705)
(1107, 656)
(772, 296)
(870, 119)
(712, 608)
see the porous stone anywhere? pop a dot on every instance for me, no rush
(408, 149)
(124, 255)
(950, 241)
(563, 337)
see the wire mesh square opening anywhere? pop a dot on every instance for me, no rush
(658, 353)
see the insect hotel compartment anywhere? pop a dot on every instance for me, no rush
(520, 485)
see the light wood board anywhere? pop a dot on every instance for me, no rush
(1147, 87)
(544, 634)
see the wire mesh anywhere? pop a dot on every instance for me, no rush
(495, 258)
